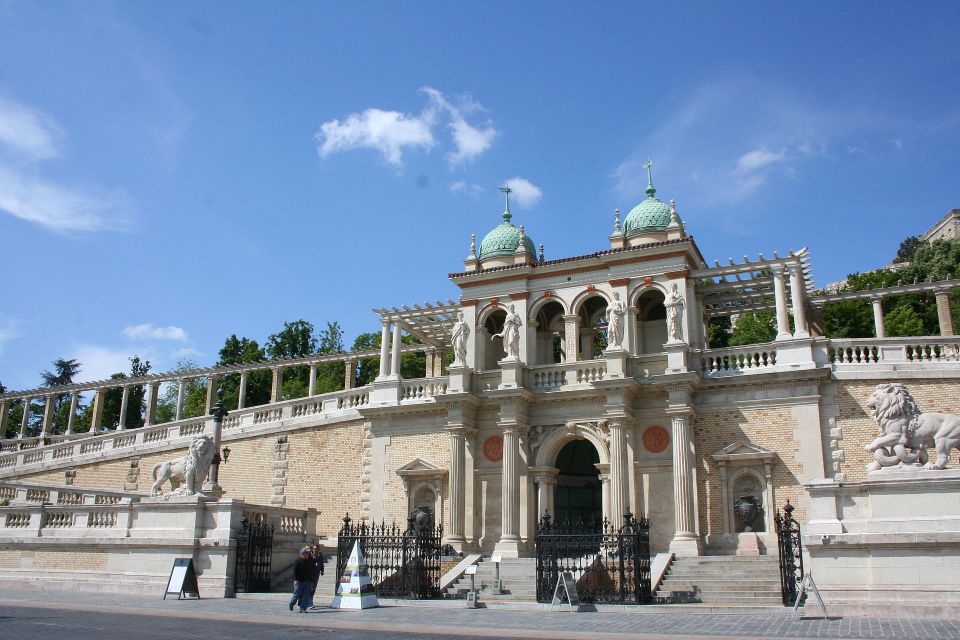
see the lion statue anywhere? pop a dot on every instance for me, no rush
(191, 469)
(906, 432)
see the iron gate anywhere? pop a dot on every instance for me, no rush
(401, 563)
(791, 556)
(253, 570)
(610, 565)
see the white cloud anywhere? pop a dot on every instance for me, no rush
(392, 132)
(469, 188)
(27, 132)
(149, 331)
(9, 330)
(458, 186)
(525, 193)
(185, 353)
(388, 132)
(757, 159)
(99, 362)
(57, 207)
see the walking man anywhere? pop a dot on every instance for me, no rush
(302, 581)
(318, 559)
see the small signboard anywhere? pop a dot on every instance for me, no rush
(471, 570)
(496, 558)
(807, 585)
(566, 589)
(183, 580)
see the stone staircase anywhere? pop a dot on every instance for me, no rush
(518, 577)
(722, 580)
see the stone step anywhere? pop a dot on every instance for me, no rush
(733, 593)
(717, 585)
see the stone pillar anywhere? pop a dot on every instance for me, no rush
(349, 373)
(798, 295)
(242, 392)
(276, 386)
(943, 312)
(509, 542)
(152, 390)
(546, 480)
(604, 470)
(685, 541)
(619, 478)
(181, 396)
(74, 398)
(212, 381)
(571, 338)
(395, 347)
(439, 358)
(780, 297)
(455, 534)
(384, 349)
(312, 384)
(48, 406)
(428, 368)
(26, 416)
(124, 398)
(96, 419)
(4, 417)
(878, 317)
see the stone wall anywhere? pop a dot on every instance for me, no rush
(856, 424)
(770, 428)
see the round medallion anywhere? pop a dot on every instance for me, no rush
(493, 448)
(655, 439)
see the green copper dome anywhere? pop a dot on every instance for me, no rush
(504, 239)
(649, 215)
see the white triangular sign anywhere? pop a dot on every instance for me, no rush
(355, 590)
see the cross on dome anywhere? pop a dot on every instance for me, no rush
(506, 212)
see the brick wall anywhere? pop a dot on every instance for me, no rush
(431, 447)
(768, 428)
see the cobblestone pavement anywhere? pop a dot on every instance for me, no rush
(36, 615)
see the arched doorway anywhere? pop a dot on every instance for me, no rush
(578, 495)
(550, 348)
(593, 328)
(651, 322)
(489, 346)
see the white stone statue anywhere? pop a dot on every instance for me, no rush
(675, 305)
(615, 312)
(906, 432)
(510, 333)
(461, 331)
(190, 470)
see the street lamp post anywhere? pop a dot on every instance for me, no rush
(212, 486)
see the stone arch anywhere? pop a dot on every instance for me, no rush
(487, 310)
(650, 320)
(541, 302)
(548, 334)
(489, 322)
(559, 437)
(585, 295)
(426, 493)
(749, 476)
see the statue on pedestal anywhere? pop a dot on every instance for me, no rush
(190, 470)
(615, 312)
(510, 333)
(461, 331)
(675, 305)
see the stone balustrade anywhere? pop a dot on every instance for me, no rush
(423, 389)
(548, 377)
(18, 493)
(884, 352)
(736, 360)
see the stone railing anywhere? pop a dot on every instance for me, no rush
(548, 377)
(285, 522)
(911, 352)
(648, 364)
(735, 360)
(423, 389)
(18, 493)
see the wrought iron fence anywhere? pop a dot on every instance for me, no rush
(253, 569)
(401, 563)
(791, 554)
(609, 564)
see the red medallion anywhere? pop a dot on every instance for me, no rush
(655, 439)
(493, 448)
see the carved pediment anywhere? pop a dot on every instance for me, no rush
(420, 468)
(743, 452)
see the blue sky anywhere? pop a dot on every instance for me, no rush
(175, 172)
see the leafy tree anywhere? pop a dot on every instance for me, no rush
(753, 328)
(718, 332)
(904, 321)
(195, 393)
(849, 319)
(330, 375)
(367, 368)
(244, 351)
(113, 398)
(295, 340)
(62, 375)
(907, 249)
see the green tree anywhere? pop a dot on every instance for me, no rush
(903, 321)
(244, 351)
(113, 398)
(367, 368)
(907, 249)
(295, 340)
(753, 328)
(718, 332)
(330, 374)
(62, 375)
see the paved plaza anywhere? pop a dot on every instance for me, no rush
(81, 616)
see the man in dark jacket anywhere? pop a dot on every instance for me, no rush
(302, 581)
(318, 561)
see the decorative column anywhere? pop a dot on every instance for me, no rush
(96, 420)
(685, 541)
(943, 312)
(604, 471)
(211, 487)
(571, 338)
(211, 392)
(152, 390)
(181, 396)
(799, 301)
(349, 373)
(457, 485)
(242, 393)
(438, 360)
(276, 385)
(510, 494)
(384, 348)
(25, 418)
(312, 384)
(619, 480)
(4, 417)
(780, 297)
(47, 415)
(878, 317)
(122, 423)
(545, 479)
(395, 347)
(428, 367)
(74, 399)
